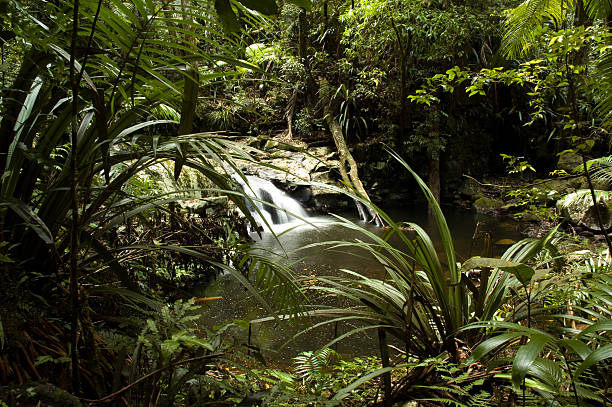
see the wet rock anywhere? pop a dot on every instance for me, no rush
(487, 205)
(578, 208)
(330, 201)
(301, 193)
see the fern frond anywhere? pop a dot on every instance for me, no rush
(522, 23)
(309, 365)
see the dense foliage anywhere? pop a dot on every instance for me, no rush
(125, 127)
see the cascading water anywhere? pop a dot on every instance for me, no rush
(271, 204)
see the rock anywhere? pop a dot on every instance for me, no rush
(295, 145)
(251, 141)
(469, 188)
(530, 217)
(597, 184)
(301, 193)
(561, 186)
(286, 145)
(207, 207)
(271, 144)
(281, 154)
(578, 208)
(322, 177)
(487, 205)
(329, 201)
(319, 151)
(310, 163)
(323, 166)
(568, 162)
(45, 395)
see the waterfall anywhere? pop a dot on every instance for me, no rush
(274, 206)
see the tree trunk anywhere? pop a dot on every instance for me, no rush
(351, 176)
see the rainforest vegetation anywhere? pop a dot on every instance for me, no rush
(130, 134)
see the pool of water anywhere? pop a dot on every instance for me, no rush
(271, 337)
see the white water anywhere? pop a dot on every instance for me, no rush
(273, 207)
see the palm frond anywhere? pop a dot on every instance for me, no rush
(598, 9)
(604, 85)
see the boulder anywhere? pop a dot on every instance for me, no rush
(561, 186)
(487, 205)
(578, 208)
(568, 162)
(207, 207)
(597, 184)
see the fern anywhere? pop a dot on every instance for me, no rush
(310, 365)
(523, 21)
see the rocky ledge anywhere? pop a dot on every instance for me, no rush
(302, 171)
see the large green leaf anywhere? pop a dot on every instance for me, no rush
(30, 218)
(599, 354)
(492, 344)
(525, 357)
(523, 273)
(228, 18)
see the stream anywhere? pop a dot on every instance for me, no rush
(271, 337)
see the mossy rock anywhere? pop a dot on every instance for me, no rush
(568, 162)
(271, 144)
(562, 186)
(578, 208)
(487, 205)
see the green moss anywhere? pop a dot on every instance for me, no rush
(484, 204)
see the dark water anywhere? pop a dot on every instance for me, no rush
(271, 337)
